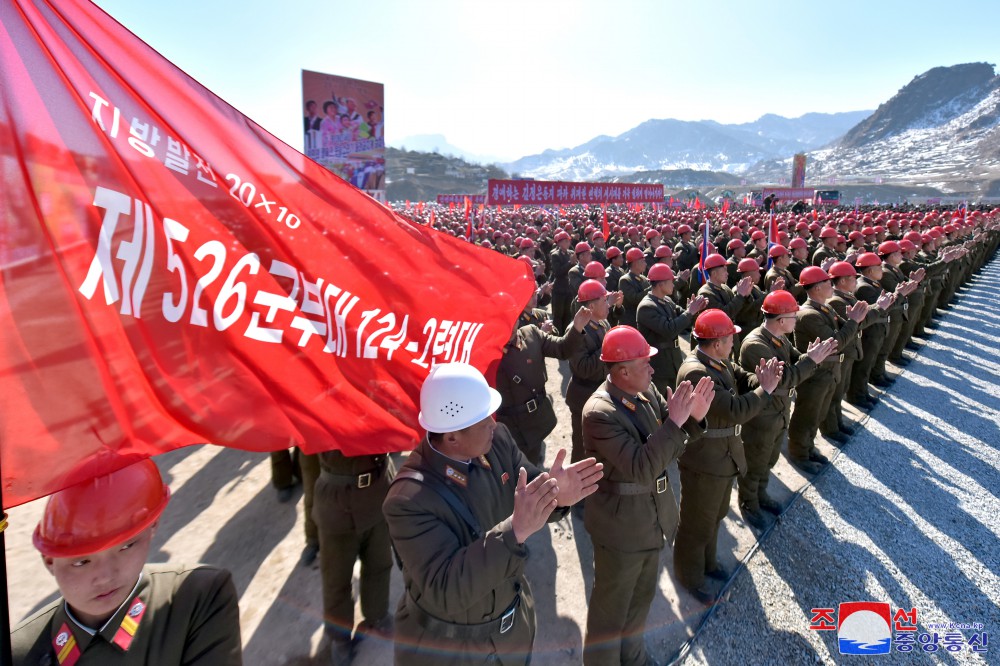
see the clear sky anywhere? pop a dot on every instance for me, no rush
(511, 78)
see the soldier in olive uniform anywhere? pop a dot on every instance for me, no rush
(459, 512)
(828, 250)
(709, 468)
(576, 276)
(894, 282)
(585, 358)
(561, 260)
(815, 320)
(347, 511)
(521, 375)
(633, 285)
(749, 316)
(636, 433)
(661, 322)
(893, 276)
(868, 290)
(763, 435)
(95, 537)
(686, 251)
(287, 466)
(779, 277)
(616, 259)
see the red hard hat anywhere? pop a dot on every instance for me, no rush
(713, 324)
(889, 247)
(527, 244)
(735, 243)
(926, 238)
(913, 236)
(660, 272)
(747, 265)
(594, 269)
(714, 261)
(560, 236)
(634, 254)
(663, 252)
(683, 229)
(613, 251)
(867, 259)
(778, 251)
(854, 235)
(802, 226)
(757, 235)
(624, 343)
(797, 244)
(582, 247)
(811, 275)
(779, 302)
(651, 233)
(735, 231)
(906, 245)
(103, 512)
(828, 232)
(590, 290)
(842, 269)
(879, 229)
(868, 231)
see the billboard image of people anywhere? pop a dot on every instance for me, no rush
(343, 125)
(799, 170)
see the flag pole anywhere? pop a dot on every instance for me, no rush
(6, 654)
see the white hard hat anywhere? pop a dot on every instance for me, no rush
(455, 396)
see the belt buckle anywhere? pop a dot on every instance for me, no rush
(739, 429)
(507, 620)
(841, 358)
(364, 480)
(677, 343)
(791, 393)
(661, 484)
(532, 405)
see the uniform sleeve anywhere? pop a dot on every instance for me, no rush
(560, 265)
(730, 408)
(632, 293)
(585, 361)
(642, 462)
(214, 634)
(453, 577)
(558, 346)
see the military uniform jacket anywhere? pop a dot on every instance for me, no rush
(640, 519)
(661, 321)
(791, 282)
(448, 572)
(575, 279)
(633, 288)
(614, 275)
(822, 254)
(585, 354)
(750, 315)
(176, 615)
(352, 500)
(870, 292)
(686, 255)
(817, 320)
(722, 298)
(892, 277)
(560, 263)
(536, 317)
(840, 302)
(738, 398)
(761, 344)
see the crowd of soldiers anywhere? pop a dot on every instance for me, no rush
(788, 315)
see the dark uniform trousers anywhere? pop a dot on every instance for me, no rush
(561, 294)
(283, 464)
(872, 338)
(762, 436)
(348, 513)
(813, 396)
(661, 322)
(709, 468)
(840, 302)
(589, 372)
(915, 306)
(630, 517)
(527, 409)
(466, 599)
(184, 615)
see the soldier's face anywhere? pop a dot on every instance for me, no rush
(96, 585)
(725, 346)
(636, 375)
(474, 441)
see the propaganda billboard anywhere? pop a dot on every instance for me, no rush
(343, 128)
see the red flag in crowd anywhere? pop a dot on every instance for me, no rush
(725, 206)
(772, 238)
(605, 229)
(173, 274)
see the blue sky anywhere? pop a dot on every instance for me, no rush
(512, 78)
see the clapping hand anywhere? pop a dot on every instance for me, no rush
(744, 286)
(819, 350)
(858, 311)
(769, 373)
(533, 503)
(778, 284)
(577, 480)
(697, 304)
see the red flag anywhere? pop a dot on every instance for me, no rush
(173, 274)
(815, 215)
(725, 206)
(468, 208)
(604, 225)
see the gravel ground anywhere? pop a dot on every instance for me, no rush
(906, 514)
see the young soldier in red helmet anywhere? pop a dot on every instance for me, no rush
(94, 538)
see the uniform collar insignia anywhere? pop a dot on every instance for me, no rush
(642, 398)
(628, 403)
(130, 624)
(64, 644)
(456, 476)
(484, 462)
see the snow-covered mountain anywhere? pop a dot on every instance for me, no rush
(700, 145)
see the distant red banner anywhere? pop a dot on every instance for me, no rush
(474, 199)
(541, 192)
(173, 274)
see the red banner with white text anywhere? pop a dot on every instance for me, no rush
(541, 192)
(170, 273)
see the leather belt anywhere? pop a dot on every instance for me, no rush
(441, 629)
(723, 432)
(784, 392)
(834, 359)
(362, 480)
(525, 408)
(615, 488)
